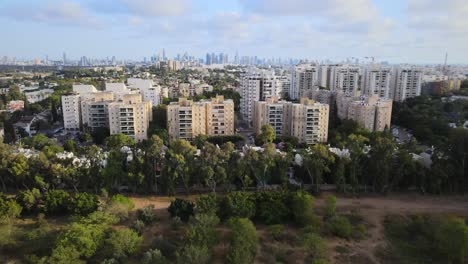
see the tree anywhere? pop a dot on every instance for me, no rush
(9, 209)
(213, 166)
(83, 203)
(181, 208)
(29, 199)
(117, 141)
(238, 204)
(356, 146)
(178, 164)
(154, 151)
(56, 202)
(317, 161)
(123, 242)
(267, 135)
(302, 208)
(381, 157)
(243, 242)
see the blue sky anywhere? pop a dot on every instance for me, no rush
(418, 31)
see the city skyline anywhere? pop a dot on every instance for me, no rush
(401, 31)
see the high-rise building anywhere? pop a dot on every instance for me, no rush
(307, 120)
(130, 116)
(344, 78)
(376, 81)
(64, 58)
(187, 119)
(304, 80)
(257, 86)
(372, 112)
(148, 90)
(71, 105)
(406, 83)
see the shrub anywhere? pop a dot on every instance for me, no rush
(243, 242)
(119, 206)
(138, 226)
(314, 245)
(194, 254)
(201, 230)
(176, 223)
(110, 261)
(207, 204)
(153, 256)
(239, 204)
(121, 243)
(146, 214)
(29, 199)
(428, 238)
(276, 231)
(340, 226)
(83, 203)
(359, 232)
(302, 205)
(166, 247)
(56, 202)
(330, 206)
(9, 209)
(181, 208)
(271, 207)
(9, 235)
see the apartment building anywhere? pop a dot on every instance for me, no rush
(304, 80)
(406, 83)
(95, 110)
(71, 105)
(187, 119)
(130, 116)
(307, 120)
(148, 90)
(376, 81)
(372, 112)
(257, 86)
(344, 78)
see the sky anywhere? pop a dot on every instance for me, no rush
(402, 31)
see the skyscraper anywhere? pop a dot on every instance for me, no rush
(64, 58)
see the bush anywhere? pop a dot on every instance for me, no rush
(166, 247)
(83, 203)
(29, 200)
(153, 256)
(194, 254)
(9, 209)
(276, 231)
(138, 226)
(271, 207)
(340, 227)
(124, 242)
(146, 214)
(314, 245)
(207, 204)
(181, 208)
(201, 230)
(359, 232)
(239, 204)
(428, 238)
(302, 208)
(110, 261)
(56, 202)
(243, 242)
(119, 206)
(330, 206)
(176, 223)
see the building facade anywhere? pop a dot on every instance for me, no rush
(376, 81)
(307, 120)
(304, 80)
(187, 119)
(406, 83)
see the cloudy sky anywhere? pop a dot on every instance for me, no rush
(418, 31)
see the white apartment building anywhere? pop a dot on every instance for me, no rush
(257, 86)
(344, 78)
(95, 109)
(406, 83)
(323, 76)
(187, 119)
(148, 90)
(304, 79)
(376, 81)
(307, 120)
(71, 105)
(372, 112)
(130, 116)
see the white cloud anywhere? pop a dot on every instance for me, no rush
(55, 12)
